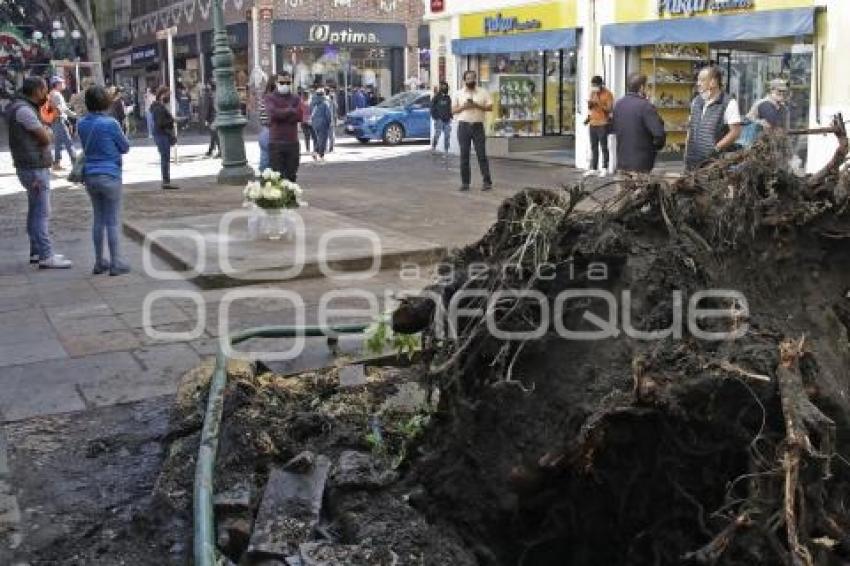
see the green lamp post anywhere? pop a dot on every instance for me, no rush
(229, 120)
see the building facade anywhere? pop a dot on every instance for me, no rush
(332, 42)
(538, 57)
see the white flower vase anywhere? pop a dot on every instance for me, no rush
(256, 221)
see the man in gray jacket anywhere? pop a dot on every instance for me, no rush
(639, 128)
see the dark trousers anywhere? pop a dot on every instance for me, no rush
(285, 159)
(214, 143)
(599, 138)
(469, 135)
(163, 144)
(309, 134)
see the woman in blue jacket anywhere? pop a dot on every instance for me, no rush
(322, 122)
(103, 143)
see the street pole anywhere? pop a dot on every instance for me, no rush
(168, 35)
(229, 120)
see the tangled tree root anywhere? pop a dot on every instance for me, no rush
(663, 447)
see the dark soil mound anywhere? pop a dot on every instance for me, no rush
(632, 449)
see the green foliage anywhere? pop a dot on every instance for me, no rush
(381, 337)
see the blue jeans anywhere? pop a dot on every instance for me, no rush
(149, 118)
(37, 184)
(105, 194)
(321, 139)
(442, 127)
(264, 149)
(163, 144)
(62, 140)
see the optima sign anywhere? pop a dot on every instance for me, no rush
(323, 33)
(691, 7)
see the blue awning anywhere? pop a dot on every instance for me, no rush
(518, 43)
(706, 29)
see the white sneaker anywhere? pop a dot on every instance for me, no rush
(589, 173)
(55, 261)
(603, 172)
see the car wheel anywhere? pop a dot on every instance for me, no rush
(393, 134)
(364, 140)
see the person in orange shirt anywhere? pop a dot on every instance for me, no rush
(601, 106)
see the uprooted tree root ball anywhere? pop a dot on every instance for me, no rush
(640, 449)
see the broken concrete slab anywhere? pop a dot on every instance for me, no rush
(358, 470)
(289, 511)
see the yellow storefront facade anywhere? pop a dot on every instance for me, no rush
(537, 58)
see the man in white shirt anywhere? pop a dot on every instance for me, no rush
(470, 106)
(715, 122)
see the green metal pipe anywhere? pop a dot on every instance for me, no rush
(204, 515)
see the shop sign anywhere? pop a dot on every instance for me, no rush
(122, 61)
(501, 24)
(144, 54)
(324, 33)
(550, 16)
(692, 7)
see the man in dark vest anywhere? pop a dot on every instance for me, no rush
(715, 122)
(30, 142)
(639, 128)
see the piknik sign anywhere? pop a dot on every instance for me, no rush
(693, 7)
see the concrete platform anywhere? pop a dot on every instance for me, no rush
(218, 249)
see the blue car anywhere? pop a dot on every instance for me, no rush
(404, 116)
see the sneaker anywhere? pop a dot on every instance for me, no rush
(208, 154)
(169, 187)
(217, 155)
(603, 172)
(55, 261)
(57, 167)
(100, 267)
(590, 172)
(487, 187)
(119, 270)
(34, 258)
(315, 156)
(464, 188)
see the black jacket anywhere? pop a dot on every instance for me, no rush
(441, 107)
(640, 133)
(163, 121)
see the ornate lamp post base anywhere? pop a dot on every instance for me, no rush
(229, 120)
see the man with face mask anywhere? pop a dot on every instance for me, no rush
(638, 127)
(284, 112)
(715, 122)
(30, 140)
(441, 113)
(470, 106)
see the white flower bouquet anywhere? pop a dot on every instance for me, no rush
(273, 192)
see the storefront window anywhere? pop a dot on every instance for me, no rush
(533, 92)
(339, 67)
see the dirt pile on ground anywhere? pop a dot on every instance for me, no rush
(645, 440)
(655, 444)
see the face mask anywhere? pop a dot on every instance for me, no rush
(284, 89)
(594, 89)
(470, 84)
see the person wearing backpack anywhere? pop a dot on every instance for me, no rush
(164, 134)
(104, 142)
(715, 122)
(61, 135)
(29, 141)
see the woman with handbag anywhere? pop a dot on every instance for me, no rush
(104, 143)
(164, 134)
